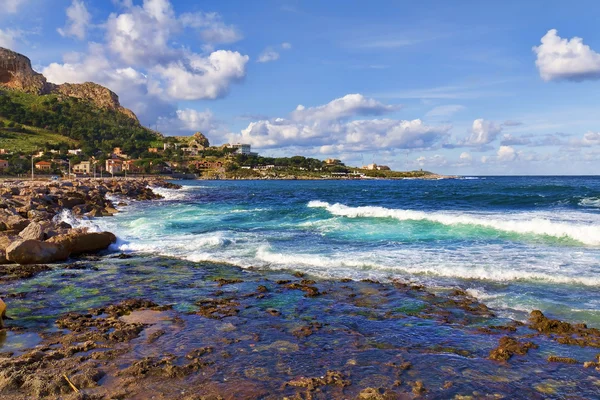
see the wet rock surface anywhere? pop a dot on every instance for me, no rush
(177, 330)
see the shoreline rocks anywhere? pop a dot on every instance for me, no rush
(30, 229)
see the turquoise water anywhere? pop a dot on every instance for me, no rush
(516, 243)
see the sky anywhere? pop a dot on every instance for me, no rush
(462, 87)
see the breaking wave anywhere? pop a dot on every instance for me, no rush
(531, 224)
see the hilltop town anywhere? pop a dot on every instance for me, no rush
(82, 131)
(184, 157)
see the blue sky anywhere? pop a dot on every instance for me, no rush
(464, 87)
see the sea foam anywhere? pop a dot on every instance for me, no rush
(524, 224)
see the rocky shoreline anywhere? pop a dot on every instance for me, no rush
(30, 231)
(222, 332)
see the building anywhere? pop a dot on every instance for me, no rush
(190, 151)
(117, 152)
(370, 166)
(4, 151)
(76, 152)
(241, 148)
(3, 165)
(114, 166)
(204, 164)
(43, 165)
(84, 167)
(152, 150)
(130, 167)
(333, 161)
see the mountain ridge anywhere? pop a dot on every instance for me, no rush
(16, 73)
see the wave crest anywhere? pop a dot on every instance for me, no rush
(586, 234)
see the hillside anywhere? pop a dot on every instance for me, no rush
(85, 114)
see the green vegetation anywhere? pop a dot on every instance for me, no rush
(27, 139)
(96, 129)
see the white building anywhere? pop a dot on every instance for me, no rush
(241, 148)
(76, 152)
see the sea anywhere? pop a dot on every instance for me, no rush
(515, 243)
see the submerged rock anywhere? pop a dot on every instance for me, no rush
(509, 346)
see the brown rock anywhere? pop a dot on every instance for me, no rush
(34, 231)
(16, 223)
(36, 252)
(84, 242)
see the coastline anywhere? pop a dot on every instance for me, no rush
(355, 339)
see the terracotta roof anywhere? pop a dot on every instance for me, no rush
(43, 163)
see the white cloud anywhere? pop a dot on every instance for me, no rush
(564, 59)
(188, 121)
(445, 111)
(212, 28)
(466, 157)
(135, 89)
(506, 154)
(141, 63)
(589, 139)
(11, 6)
(203, 77)
(328, 127)
(268, 55)
(482, 132)
(78, 19)
(8, 38)
(344, 107)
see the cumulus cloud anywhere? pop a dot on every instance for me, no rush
(204, 77)
(482, 132)
(78, 19)
(445, 111)
(135, 89)
(331, 128)
(140, 62)
(564, 59)
(188, 121)
(506, 154)
(344, 107)
(589, 139)
(11, 6)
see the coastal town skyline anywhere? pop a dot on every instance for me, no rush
(458, 89)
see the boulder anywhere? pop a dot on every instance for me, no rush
(70, 202)
(36, 252)
(16, 223)
(34, 231)
(84, 242)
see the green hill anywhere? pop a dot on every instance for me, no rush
(56, 119)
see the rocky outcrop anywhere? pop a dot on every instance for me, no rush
(16, 73)
(31, 232)
(35, 252)
(84, 242)
(97, 94)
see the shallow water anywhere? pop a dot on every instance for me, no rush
(517, 243)
(365, 330)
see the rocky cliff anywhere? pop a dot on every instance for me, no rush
(16, 73)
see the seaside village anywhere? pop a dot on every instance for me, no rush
(180, 157)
